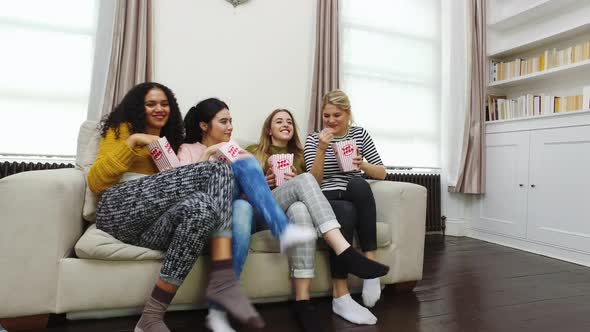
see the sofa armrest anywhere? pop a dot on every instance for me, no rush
(40, 213)
(403, 206)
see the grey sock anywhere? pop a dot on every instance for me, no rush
(225, 290)
(152, 318)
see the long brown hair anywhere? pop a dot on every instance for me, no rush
(294, 146)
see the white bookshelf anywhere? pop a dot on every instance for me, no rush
(513, 47)
(535, 165)
(556, 120)
(579, 68)
(528, 24)
(530, 11)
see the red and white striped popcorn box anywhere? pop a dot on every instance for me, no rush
(163, 154)
(280, 164)
(229, 152)
(345, 151)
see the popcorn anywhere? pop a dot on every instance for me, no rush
(345, 151)
(280, 164)
(229, 152)
(163, 154)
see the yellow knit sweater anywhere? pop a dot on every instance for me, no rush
(115, 158)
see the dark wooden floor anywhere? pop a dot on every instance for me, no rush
(468, 285)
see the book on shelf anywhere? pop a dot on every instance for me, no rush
(586, 97)
(550, 58)
(492, 107)
(529, 105)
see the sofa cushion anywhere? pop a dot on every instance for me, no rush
(265, 242)
(96, 244)
(88, 142)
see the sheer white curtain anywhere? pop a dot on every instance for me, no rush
(46, 68)
(390, 67)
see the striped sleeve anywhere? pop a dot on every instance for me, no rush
(369, 151)
(310, 149)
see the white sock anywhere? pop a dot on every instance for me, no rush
(371, 292)
(217, 321)
(295, 234)
(353, 312)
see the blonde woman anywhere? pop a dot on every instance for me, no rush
(279, 135)
(340, 186)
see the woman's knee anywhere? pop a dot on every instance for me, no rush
(199, 209)
(358, 185)
(305, 177)
(299, 214)
(222, 170)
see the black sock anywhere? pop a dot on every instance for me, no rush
(360, 265)
(307, 316)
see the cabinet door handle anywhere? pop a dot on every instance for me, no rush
(521, 185)
(533, 186)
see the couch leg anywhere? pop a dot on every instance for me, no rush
(404, 287)
(56, 320)
(24, 323)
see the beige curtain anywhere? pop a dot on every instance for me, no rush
(471, 178)
(131, 55)
(326, 71)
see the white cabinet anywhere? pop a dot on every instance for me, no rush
(538, 187)
(559, 187)
(504, 208)
(538, 167)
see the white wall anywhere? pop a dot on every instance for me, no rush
(256, 57)
(259, 56)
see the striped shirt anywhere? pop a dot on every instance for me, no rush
(334, 179)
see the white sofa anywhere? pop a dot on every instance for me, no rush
(51, 262)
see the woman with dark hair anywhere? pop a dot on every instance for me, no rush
(210, 123)
(176, 211)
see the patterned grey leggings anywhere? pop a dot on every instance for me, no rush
(175, 211)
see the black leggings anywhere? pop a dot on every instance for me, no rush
(354, 209)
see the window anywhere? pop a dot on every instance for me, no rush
(46, 66)
(390, 64)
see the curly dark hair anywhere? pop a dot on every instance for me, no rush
(204, 111)
(132, 110)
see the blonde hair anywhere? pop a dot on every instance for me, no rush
(339, 99)
(294, 146)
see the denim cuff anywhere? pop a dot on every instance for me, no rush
(171, 280)
(222, 233)
(328, 226)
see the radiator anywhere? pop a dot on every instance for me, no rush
(12, 167)
(434, 223)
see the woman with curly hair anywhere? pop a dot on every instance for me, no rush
(176, 211)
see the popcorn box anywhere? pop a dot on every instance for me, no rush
(280, 164)
(163, 154)
(344, 152)
(229, 152)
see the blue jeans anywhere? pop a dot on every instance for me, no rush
(242, 222)
(250, 181)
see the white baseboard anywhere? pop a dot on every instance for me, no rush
(456, 227)
(540, 248)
